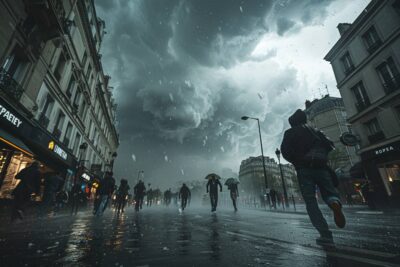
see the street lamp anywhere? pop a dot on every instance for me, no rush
(278, 154)
(245, 118)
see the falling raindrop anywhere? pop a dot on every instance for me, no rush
(222, 149)
(166, 158)
(171, 97)
(183, 173)
(241, 9)
(134, 157)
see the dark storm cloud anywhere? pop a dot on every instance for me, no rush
(184, 75)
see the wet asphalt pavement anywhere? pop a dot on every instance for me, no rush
(159, 236)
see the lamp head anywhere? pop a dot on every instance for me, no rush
(278, 152)
(245, 118)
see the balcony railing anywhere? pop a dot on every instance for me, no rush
(10, 86)
(43, 120)
(373, 47)
(392, 85)
(376, 137)
(362, 105)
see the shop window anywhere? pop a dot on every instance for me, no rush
(62, 62)
(372, 40)
(362, 99)
(389, 75)
(68, 133)
(347, 63)
(375, 133)
(390, 174)
(47, 109)
(59, 124)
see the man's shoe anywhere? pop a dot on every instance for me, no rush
(338, 215)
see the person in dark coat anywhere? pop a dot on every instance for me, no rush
(104, 192)
(273, 196)
(140, 191)
(52, 184)
(307, 149)
(122, 194)
(184, 195)
(30, 178)
(234, 192)
(76, 195)
(212, 188)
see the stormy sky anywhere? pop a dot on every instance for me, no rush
(185, 71)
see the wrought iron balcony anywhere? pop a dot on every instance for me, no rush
(10, 86)
(376, 137)
(392, 85)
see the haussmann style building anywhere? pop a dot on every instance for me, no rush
(56, 105)
(366, 64)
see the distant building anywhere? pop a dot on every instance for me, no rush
(56, 104)
(366, 63)
(251, 177)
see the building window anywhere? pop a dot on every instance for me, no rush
(390, 174)
(77, 99)
(16, 64)
(389, 75)
(84, 59)
(71, 87)
(362, 100)
(375, 133)
(82, 109)
(88, 72)
(47, 109)
(62, 62)
(372, 40)
(76, 143)
(59, 125)
(347, 63)
(68, 133)
(396, 6)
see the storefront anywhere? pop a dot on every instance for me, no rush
(14, 153)
(382, 167)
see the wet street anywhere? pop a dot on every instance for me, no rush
(159, 236)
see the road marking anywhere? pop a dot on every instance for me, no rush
(370, 212)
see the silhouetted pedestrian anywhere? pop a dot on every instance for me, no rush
(234, 193)
(307, 149)
(29, 183)
(184, 195)
(53, 183)
(105, 191)
(140, 191)
(122, 194)
(212, 188)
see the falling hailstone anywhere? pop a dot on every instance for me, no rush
(134, 157)
(166, 158)
(241, 9)
(222, 149)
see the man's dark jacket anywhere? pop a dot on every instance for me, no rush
(299, 139)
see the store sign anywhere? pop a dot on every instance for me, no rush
(384, 150)
(58, 150)
(85, 176)
(6, 114)
(349, 139)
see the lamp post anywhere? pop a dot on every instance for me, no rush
(262, 155)
(114, 155)
(278, 154)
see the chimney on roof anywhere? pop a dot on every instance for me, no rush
(343, 27)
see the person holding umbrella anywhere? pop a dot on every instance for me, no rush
(212, 188)
(233, 188)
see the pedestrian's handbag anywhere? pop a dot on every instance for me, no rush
(317, 156)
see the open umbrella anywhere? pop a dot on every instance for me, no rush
(230, 181)
(209, 176)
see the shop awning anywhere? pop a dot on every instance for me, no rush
(14, 142)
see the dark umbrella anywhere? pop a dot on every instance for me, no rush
(230, 181)
(211, 175)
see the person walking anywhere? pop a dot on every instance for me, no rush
(307, 149)
(29, 183)
(140, 191)
(273, 195)
(53, 183)
(105, 191)
(122, 193)
(76, 194)
(234, 192)
(212, 188)
(184, 195)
